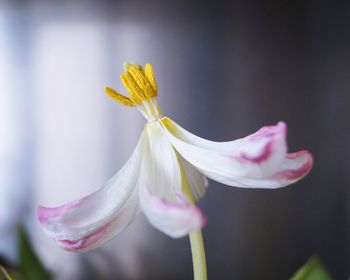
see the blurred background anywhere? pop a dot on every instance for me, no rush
(224, 69)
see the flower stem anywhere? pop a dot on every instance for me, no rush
(196, 239)
(198, 255)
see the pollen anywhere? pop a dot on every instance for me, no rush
(150, 76)
(116, 96)
(140, 84)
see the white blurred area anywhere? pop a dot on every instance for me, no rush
(15, 171)
(79, 137)
(83, 136)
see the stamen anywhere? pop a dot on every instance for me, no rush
(150, 76)
(126, 65)
(140, 84)
(116, 96)
(141, 80)
(136, 93)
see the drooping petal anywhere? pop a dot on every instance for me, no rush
(259, 160)
(174, 218)
(196, 180)
(295, 166)
(93, 220)
(160, 185)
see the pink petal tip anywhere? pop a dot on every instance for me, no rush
(45, 214)
(299, 172)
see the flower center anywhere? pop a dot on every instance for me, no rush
(142, 88)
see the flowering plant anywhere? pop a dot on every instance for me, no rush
(166, 175)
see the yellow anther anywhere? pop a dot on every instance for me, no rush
(128, 64)
(116, 96)
(141, 80)
(140, 84)
(136, 93)
(150, 76)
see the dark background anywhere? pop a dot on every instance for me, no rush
(225, 69)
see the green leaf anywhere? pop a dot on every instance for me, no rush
(5, 273)
(312, 270)
(30, 265)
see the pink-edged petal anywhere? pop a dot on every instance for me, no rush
(256, 161)
(175, 219)
(90, 241)
(295, 167)
(160, 187)
(91, 221)
(46, 215)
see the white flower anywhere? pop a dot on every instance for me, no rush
(166, 174)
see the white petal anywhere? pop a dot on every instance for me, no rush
(89, 222)
(256, 161)
(195, 179)
(175, 219)
(160, 188)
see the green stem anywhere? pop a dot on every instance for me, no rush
(198, 255)
(196, 239)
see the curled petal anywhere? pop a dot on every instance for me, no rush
(175, 219)
(93, 240)
(161, 187)
(93, 220)
(259, 160)
(295, 166)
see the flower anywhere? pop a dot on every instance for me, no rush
(167, 172)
